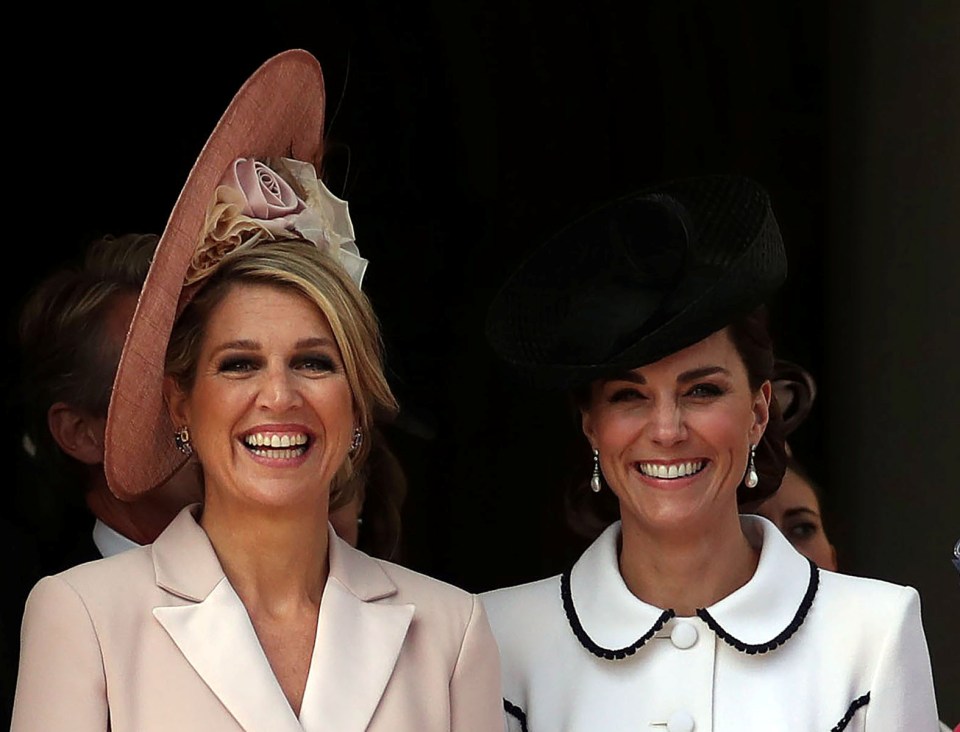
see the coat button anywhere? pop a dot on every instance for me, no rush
(684, 636)
(680, 721)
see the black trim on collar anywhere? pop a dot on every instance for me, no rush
(851, 710)
(783, 636)
(618, 654)
(587, 642)
(516, 712)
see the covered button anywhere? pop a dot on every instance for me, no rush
(684, 635)
(680, 721)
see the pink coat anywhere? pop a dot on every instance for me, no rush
(156, 639)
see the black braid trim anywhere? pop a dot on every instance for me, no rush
(514, 711)
(780, 639)
(854, 706)
(587, 642)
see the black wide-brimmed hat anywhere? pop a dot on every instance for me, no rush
(638, 279)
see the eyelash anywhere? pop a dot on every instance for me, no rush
(699, 391)
(317, 363)
(623, 395)
(242, 364)
(707, 390)
(235, 365)
(807, 530)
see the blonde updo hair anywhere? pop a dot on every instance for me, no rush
(299, 267)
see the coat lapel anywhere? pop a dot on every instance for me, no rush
(357, 646)
(214, 632)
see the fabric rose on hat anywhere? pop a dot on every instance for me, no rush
(267, 195)
(273, 200)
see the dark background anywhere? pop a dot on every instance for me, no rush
(465, 133)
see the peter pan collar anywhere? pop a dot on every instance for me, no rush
(763, 614)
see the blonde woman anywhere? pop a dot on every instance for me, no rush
(254, 350)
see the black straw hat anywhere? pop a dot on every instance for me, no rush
(638, 279)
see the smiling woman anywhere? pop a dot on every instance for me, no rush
(685, 615)
(254, 350)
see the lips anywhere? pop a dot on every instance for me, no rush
(672, 470)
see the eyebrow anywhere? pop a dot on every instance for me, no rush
(790, 512)
(247, 345)
(692, 375)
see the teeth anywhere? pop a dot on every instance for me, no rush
(674, 470)
(259, 439)
(287, 454)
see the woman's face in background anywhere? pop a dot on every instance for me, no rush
(795, 509)
(674, 435)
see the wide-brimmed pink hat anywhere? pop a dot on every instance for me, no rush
(277, 113)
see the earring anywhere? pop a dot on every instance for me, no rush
(595, 477)
(356, 441)
(181, 438)
(752, 478)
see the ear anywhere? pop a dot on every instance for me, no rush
(587, 425)
(761, 411)
(177, 402)
(77, 433)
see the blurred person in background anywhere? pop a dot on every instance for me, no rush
(72, 330)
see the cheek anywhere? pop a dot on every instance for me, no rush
(616, 429)
(214, 410)
(726, 430)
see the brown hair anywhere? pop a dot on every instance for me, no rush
(66, 354)
(299, 267)
(382, 487)
(751, 338)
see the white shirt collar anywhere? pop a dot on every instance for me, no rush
(758, 617)
(110, 542)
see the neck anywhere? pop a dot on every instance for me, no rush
(139, 520)
(276, 559)
(685, 571)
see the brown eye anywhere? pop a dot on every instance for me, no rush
(317, 363)
(803, 531)
(625, 395)
(703, 391)
(236, 365)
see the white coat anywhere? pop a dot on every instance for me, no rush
(796, 649)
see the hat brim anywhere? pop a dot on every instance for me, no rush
(278, 112)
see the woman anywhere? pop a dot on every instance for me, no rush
(685, 615)
(249, 613)
(795, 510)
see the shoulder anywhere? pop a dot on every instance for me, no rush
(526, 616)
(104, 575)
(522, 603)
(430, 596)
(869, 618)
(99, 587)
(864, 597)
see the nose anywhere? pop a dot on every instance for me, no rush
(668, 426)
(279, 390)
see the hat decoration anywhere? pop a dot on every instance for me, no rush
(272, 200)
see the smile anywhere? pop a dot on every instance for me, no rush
(671, 471)
(274, 446)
